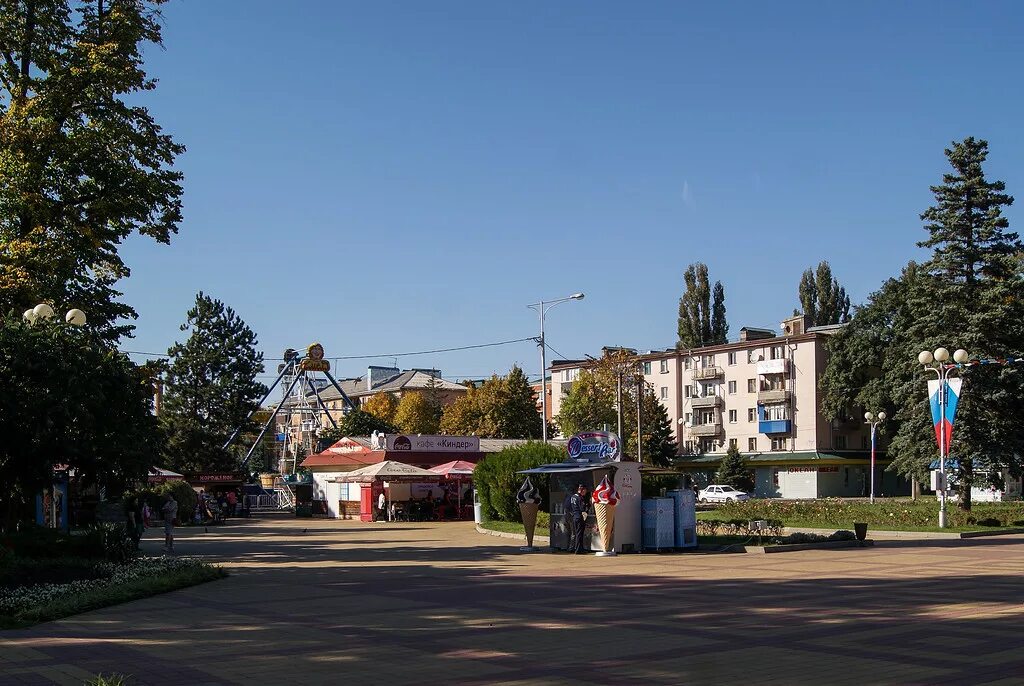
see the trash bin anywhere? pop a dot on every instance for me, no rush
(478, 509)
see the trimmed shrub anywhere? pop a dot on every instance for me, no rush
(496, 480)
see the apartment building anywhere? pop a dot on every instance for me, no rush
(760, 395)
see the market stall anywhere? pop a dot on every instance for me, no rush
(457, 474)
(381, 476)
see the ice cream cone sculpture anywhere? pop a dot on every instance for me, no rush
(605, 500)
(529, 502)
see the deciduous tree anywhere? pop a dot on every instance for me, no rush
(382, 405)
(416, 414)
(702, 316)
(83, 164)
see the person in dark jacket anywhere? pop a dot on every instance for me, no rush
(575, 510)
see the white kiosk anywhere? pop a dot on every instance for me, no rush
(592, 456)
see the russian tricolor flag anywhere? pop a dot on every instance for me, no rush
(944, 423)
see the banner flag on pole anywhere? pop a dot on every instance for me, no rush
(944, 424)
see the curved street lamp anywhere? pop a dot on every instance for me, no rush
(938, 362)
(542, 309)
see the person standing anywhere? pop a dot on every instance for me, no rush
(382, 504)
(575, 510)
(232, 499)
(170, 511)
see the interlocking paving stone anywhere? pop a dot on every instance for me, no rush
(439, 603)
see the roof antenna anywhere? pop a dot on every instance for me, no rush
(394, 363)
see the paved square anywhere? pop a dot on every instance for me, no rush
(325, 602)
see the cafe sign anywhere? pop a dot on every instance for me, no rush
(594, 446)
(433, 444)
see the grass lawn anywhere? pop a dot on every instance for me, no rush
(82, 598)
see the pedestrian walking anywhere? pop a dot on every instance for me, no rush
(575, 511)
(170, 511)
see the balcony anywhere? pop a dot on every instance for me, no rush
(705, 401)
(765, 396)
(705, 373)
(777, 426)
(766, 367)
(706, 429)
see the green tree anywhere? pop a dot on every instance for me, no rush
(83, 164)
(358, 423)
(416, 414)
(589, 405)
(735, 471)
(970, 295)
(211, 387)
(659, 448)
(502, 407)
(823, 300)
(67, 397)
(702, 317)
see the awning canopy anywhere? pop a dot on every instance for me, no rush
(454, 468)
(389, 470)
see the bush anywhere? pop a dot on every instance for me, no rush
(183, 493)
(109, 541)
(497, 482)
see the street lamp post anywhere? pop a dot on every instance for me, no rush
(873, 422)
(936, 362)
(542, 309)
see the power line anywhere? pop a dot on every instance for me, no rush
(378, 355)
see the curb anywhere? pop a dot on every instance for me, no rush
(517, 537)
(794, 547)
(920, 535)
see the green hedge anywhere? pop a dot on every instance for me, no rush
(890, 514)
(109, 541)
(497, 482)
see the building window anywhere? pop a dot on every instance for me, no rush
(708, 361)
(647, 367)
(707, 445)
(751, 356)
(571, 374)
(687, 391)
(752, 444)
(773, 413)
(777, 352)
(732, 359)
(752, 414)
(775, 477)
(732, 444)
(688, 418)
(732, 416)
(840, 442)
(664, 392)
(686, 363)
(688, 447)
(751, 385)
(732, 388)
(664, 366)
(778, 444)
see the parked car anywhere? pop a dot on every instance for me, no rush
(722, 494)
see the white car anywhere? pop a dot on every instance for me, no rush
(722, 494)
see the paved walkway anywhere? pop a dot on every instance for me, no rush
(325, 602)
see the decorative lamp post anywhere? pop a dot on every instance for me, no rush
(937, 362)
(542, 309)
(42, 311)
(873, 421)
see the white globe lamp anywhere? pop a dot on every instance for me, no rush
(43, 311)
(75, 317)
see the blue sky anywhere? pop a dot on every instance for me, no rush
(398, 176)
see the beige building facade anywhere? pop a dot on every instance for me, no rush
(758, 394)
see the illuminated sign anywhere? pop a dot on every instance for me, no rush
(603, 445)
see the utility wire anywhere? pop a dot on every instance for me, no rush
(370, 357)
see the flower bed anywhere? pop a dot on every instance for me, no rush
(112, 583)
(883, 514)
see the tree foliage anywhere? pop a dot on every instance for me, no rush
(68, 398)
(970, 295)
(211, 387)
(501, 407)
(590, 405)
(381, 405)
(416, 414)
(734, 470)
(822, 299)
(82, 164)
(702, 317)
(359, 423)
